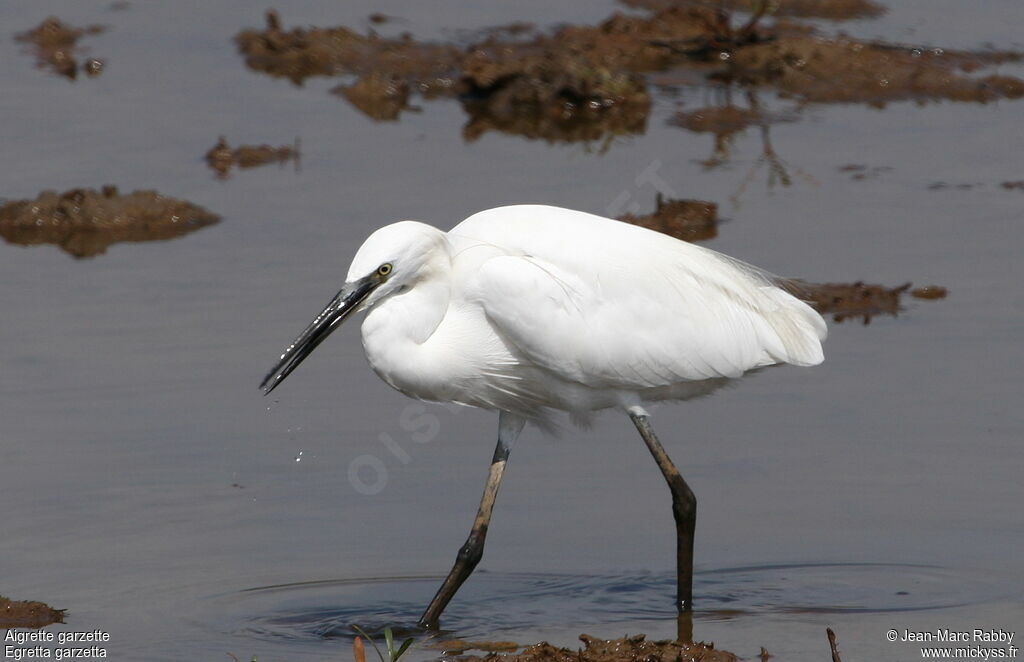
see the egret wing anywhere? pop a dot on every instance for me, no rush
(611, 305)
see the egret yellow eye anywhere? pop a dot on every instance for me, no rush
(384, 269)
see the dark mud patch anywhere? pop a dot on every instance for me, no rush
(586, 83)
(55, 46)
(552, 98)
(844, 70)
(850, 301)
(834, 10)
(381, 97)
(929, 292)
(28, 614)
(222, 157)
(300, 53)
(628, 649)
(689, 220)
(85, 222)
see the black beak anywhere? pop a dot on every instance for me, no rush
(330, 318)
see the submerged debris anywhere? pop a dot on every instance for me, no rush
(55, 45)
(93, 67)
(84, 222)
(627, 649)
(689, 220)
(221, 157)
(28, 614)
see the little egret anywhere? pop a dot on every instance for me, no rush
(530, 309)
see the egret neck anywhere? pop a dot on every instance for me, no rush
(397, 326)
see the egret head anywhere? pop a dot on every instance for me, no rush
(389, 262)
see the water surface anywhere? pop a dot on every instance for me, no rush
(148, 487)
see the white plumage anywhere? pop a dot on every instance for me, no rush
(529, 307)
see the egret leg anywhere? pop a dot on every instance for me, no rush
(509, 427)
(684, 509)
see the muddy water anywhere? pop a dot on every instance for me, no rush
(150, 491)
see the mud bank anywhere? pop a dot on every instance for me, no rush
(222, 158)
(85, 222)
(585, 83)
(860, 301)
(28, 614)
(55, 46)
(689, 220)
(833, 10)
(628, 649)
(844, 70)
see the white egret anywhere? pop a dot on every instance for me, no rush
(529, 309)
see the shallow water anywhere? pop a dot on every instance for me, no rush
(152, 492)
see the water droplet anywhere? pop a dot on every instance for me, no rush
(298, 458)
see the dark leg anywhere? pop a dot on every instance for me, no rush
(509, 427)
(684, 509)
